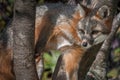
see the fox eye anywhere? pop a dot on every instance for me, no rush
(82, 31)
(95, 32)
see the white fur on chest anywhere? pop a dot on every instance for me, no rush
(62, 42)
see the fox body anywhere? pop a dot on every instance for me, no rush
(71, 30)
(61, 31)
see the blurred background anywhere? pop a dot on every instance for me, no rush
(6, 13)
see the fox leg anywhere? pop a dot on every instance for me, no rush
(67, 65)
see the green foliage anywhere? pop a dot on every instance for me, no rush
(113, 73)
(45, 75)
(11, 1)
(117, 55)
(6, 9)
(40, 1)
(50, 60)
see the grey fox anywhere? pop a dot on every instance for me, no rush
(71, 30)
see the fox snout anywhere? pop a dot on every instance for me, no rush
(87, 43)
(84, 43)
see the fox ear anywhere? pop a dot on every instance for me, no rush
(103, 12)
(81, 10)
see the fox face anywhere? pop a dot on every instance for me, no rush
(93, 30)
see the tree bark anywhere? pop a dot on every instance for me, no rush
(23, 34)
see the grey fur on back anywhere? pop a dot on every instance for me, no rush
(55, 9)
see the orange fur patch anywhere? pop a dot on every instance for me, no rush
(71, 59)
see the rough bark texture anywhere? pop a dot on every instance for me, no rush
(23, 34)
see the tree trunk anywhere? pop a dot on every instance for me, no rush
(23, 34)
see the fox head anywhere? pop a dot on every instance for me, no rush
(93, 28)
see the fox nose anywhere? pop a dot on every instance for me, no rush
(84, 44)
